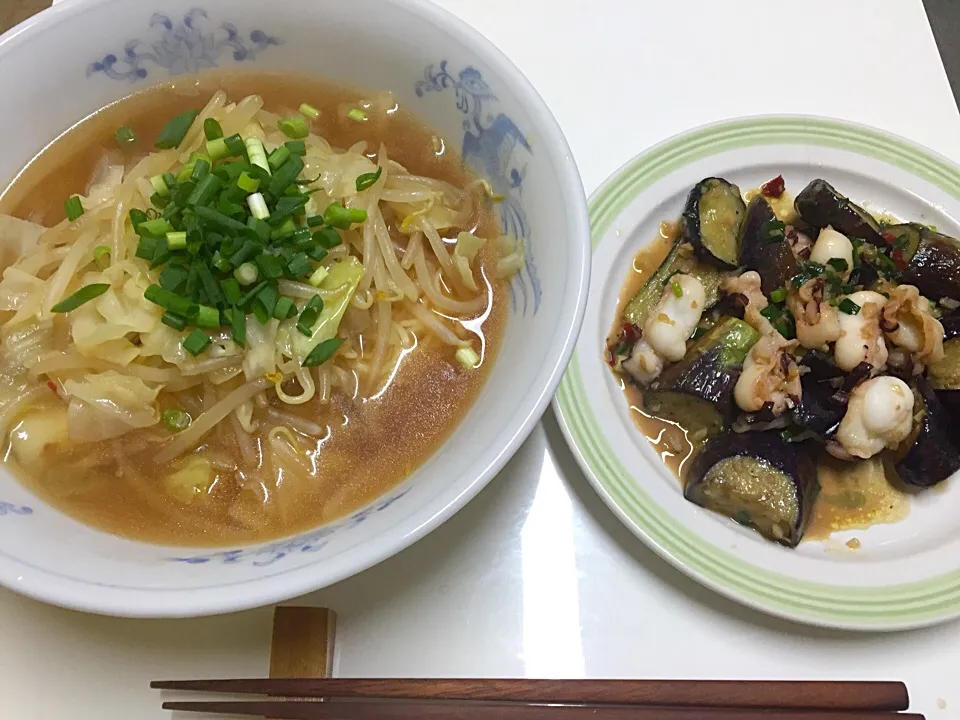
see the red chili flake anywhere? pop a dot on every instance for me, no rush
(898, 259)
(890, 238)
(773, 188)
(53, 386)
(629, 333)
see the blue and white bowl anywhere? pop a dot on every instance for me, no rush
(71, 60)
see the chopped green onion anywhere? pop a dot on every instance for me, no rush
(196, 342)
(317, 253)
(172, 277)
(231, 290)
(299, 265)
(160, 185)
(208, 317)
(177, 322)
(201, 168)
(772, 312)
(310, 111)
(322, 352)
(177, 240)
(137, 216)
(357, 115)
(327, 238)
(238, 326)
(246, 252)
(286, 174)
(146, 248)
(101, 256)
(257, 153)
(176, 130)
(246, 274)
(260, 227)
(258, 206)
(268, 296)
(848, 306)
(212, 129)
(368, 179)
(838, 264)
(125, 136)
(319, 275)
(73, 208)
(310, 315)
(271, 267)
(210, 285)
(278, 157)
(205, 190)
(315, 221)
(81, 297)
(340, 217)
(158, 227)
(170, 301)
(284, 309)
(778, 295)
(699, 333)
(296, 147)
(235, 145)
(217, 149)
(248, 183)
(294, 127)
(468, 357)
(287, 227)
(677, 289)
(219, 220)
(176, 420)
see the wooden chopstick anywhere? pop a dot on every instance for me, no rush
(470, 710)
(805, 695)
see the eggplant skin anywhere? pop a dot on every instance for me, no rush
(792, 466)
(932, 452)
(719, 203)
(697, 392)
(935, 267)
(820, 205)
(764, 247)
(819, 409)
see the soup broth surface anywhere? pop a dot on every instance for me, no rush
(371, 440)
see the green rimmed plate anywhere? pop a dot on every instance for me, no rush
(904, 574)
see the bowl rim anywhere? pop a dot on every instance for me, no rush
(127, 602)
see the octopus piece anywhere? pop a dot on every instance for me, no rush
(770, 376)
(675, 317)
(748, 285)
(644, 364)
(817, 321)
(907, 322)
(879, 415)
(861, 339)
(832, 245)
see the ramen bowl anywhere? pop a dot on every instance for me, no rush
(78, 57)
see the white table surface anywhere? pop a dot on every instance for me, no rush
(535, 577)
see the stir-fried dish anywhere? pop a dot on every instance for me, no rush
(249, 318)
(797, 343)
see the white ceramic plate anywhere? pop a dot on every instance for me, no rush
(905, 574)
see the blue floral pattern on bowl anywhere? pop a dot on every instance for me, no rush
(8, 508)
(313, 541)
(495, 148)
(188, 45)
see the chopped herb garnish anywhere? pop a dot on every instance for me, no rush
(773, 231)
(125, 136)
(322, 352)
(368, 179)
(73, 207)
(212, 129)
(838, 264)
(294, 127)
(778, 295)
(196, 342)
(81, 297)
(848, 306)
(177, 420)
(176, 130)
(357, 115)
(310, 111)
(677, 289)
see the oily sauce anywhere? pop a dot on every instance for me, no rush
(852, 496)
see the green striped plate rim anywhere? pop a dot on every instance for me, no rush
(875, 607)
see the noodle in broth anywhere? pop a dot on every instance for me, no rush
(109, 414)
